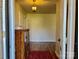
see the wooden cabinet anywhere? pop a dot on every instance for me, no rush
(20, 44)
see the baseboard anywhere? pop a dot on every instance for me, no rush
(42, 41)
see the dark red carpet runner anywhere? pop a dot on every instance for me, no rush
(41, 55)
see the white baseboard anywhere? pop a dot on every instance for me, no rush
(42, 41)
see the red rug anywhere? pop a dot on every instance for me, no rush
(41, 55)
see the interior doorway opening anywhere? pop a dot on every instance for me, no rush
(37, 32)
(60, 37)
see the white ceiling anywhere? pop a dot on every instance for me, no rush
(43, 6)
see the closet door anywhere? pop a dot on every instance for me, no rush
(19, 44)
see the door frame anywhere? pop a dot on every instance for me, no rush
(63, 18)
(12, 29)
(71, 28)
(63, 29)
(5, 29)
(8, 29)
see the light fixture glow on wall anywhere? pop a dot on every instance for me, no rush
(34, 8)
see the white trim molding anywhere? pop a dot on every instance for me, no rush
(71, 29)
(11, 29)
(63, 14)
(4, 28)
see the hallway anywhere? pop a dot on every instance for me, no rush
(37, 29)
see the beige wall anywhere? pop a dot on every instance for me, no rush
(42, 27)
(19, 16)
(0, 31)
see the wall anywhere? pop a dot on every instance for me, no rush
(0, 30)
(42, 27)
(19, 16)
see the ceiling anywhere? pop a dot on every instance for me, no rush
(43, 6)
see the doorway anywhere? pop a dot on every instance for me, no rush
(24, 35)
(35, 30)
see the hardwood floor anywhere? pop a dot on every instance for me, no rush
(41, 55)
(42, 46)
